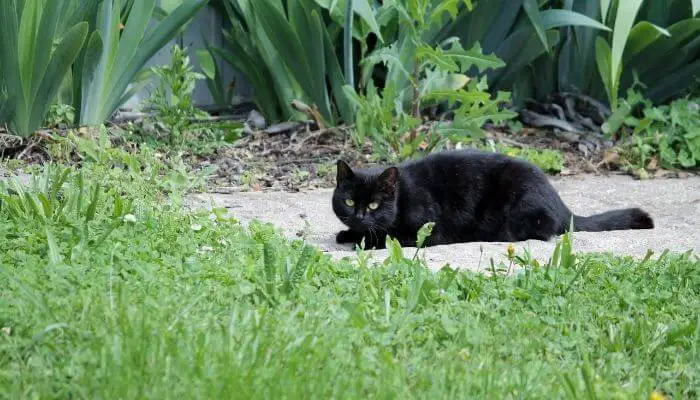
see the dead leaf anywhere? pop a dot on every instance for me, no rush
(640, 173)
(311, 111)
(611, 158)
(653, 164)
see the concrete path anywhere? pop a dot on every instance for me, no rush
(673, 203)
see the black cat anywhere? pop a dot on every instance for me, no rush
(470, 195)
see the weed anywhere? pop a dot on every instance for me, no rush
(550, 161)
(60, 116)
(172, 98)
(13, 164)
(186, 126)
(665, 136)
(421, 75)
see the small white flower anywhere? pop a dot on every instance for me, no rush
(130, 218)
(196, 227)
(207, 248)
(213, 217)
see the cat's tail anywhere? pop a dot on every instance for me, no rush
(629, 218)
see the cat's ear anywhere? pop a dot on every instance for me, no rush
(344, 171)
(387, 180)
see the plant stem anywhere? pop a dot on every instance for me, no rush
(347, 43)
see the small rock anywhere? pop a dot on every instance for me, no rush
(256, 121)
(569, 136)
(583, 148)
(247, 131)
(283, 127)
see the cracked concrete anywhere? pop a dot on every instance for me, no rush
(673, 203)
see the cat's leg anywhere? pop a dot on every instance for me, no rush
(349, 236)
(371, 240)
(375, 240)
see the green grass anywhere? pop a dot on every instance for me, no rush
(122, 294)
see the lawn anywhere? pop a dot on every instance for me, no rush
(111, 288)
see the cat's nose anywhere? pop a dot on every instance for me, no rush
(360, 214)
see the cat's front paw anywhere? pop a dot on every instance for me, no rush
(348, 237)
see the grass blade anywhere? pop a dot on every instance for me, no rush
(55, 256)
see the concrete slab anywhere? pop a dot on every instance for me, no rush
(673, 203)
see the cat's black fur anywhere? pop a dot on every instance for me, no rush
(470, 195)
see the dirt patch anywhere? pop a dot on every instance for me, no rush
(293, 157)
(291, 161)
(303, 159)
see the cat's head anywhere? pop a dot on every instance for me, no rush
(364, 200)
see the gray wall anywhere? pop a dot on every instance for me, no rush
(208, 24)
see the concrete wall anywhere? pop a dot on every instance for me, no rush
(209, 24)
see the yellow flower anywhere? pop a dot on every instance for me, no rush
(656, 395)
(511, 251)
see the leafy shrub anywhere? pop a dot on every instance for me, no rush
(553, 46)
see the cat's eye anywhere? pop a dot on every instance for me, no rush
(373, 205)
(350, 202)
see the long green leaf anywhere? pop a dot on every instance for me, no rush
(161, 35)
(105, 92)
(347, 45)
(626, 14)
(604, 9)
(98, 65)
(35, 57)
(674, 83)
(9, 54)
(59, 65)
(604, 62)
(642, 35)
(28, 45)
(337, 81)
(559, 18)
(361, 8)
(532, 9)
(520, 49)
(263, 86)
(7, 109)
(41, 54)
(665, 54)
(284, 39)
